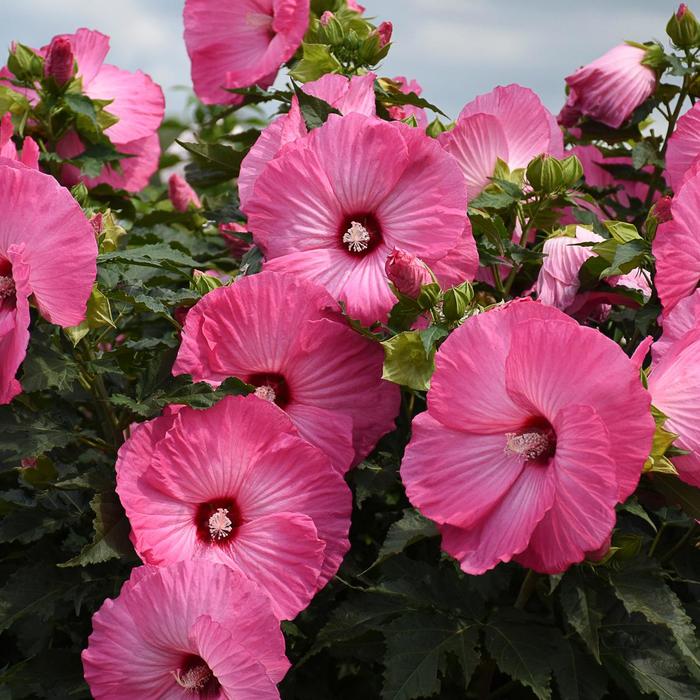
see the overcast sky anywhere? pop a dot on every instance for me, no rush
(457, 49)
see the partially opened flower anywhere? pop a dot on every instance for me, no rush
(237, 485)
(676, 247)
(333, 206)
(511, 124)
(683, 318)
(536, 428)
(239, 44)
(189, 630)
(347, 95)
(48, 253)
(683, 151)
(674, 384)
(283, 335)
(30, 150)
(610, 88)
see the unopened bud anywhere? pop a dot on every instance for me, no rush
(326, 18)
(407, 272)
(331, 29)
(60, 61)
(456, 301)
(545, 174)
(683, 28)
(181, 194)
(205, 282)
(572, 170)
(385, 30)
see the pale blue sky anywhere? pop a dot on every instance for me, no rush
(456, 49)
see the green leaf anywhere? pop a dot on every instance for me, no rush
(27, 525)
(406, 361)
(523, 647)
(678, 493)
(580, 611)
(25, 436)
(418, 646)
(643, 590)
(154, 255)
(111, 533)
(316, 61)
(45, 368)
(395, 97)
(430, 336)
(82, 106)
(622, 232)
(314, 110)
(577, 675)
(492, 200)
(412, 528)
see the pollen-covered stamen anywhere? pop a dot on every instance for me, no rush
(194, 678)
(356, 237)
(531, 445)
(220, 525)
(7, 287)
(266, 392)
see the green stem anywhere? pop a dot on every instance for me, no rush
(522, 242)
(679, 544)
(657, 539)
(526, 589)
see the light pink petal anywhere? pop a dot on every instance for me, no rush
(453, 476)
(507, 529)
(527, 125)
(282, 553)
(683, 147)
(348, 95)
(583, 513)
(460, 264)
(683, 317)
(30, 153)
(476, 143)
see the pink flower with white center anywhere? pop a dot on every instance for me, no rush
(676, 247)
(284, 335)
(674, 384)
(683, 151)
(333, 205)
(406, 111)
(347, 95)
(610, 88)
(47, 252)
(235, 484)
(181, 195)
(30, 150)
(239, 44)
(195, 629)
(683, 318)
(509, 123)
(536, 428)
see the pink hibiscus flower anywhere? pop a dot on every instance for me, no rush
(284, 335)
(346, 95)
(509, 123)
(181, 195)
(189, 630)
(676, 247)
(527, 445)
(30, 150)
(683, 152)
(257, 498)
(610, 88)
(683, 318)
(48, 252)
(674, 384)
(332, 206)
(239, 44)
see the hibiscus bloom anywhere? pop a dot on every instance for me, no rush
(236, 484)
(239, 44)
(610, 88)
(285, 336)
(527, 445)
(683, 318)
(333, 206)
(676, 247)
(192, 629)
(345, 94)
(48, 252)
(674, 384)
(683, 151)
(30, 151)
(509, 123)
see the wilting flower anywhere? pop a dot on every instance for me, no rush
(30, 150)
(674, 384)
(333, 205)
(536, 427)
(347, 95)
(236, 484)
(284, 335)
(683, 318)
(509, 123)
(189, 630)
(239, 44)
(47, 252)
(405, 111)
(181, 195)
(683, 151)
(610, 88)
(407, 272)
(236, 245)
(676, 247)
(60, 61)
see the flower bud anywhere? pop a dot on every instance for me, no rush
(60, 61)
(683, 28)
(406, 272)
(355, 6)
(385, 30)
(331, 29)
(456, 301)
(326, 17)
(205, 282)
(572, 170)
(545, 174)
(662, 209)
(181, 194)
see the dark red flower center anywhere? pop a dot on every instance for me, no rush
(272, 387)
(195, 676)
(7, 284)
(217, 521)
(535, 442)
(359, 234)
